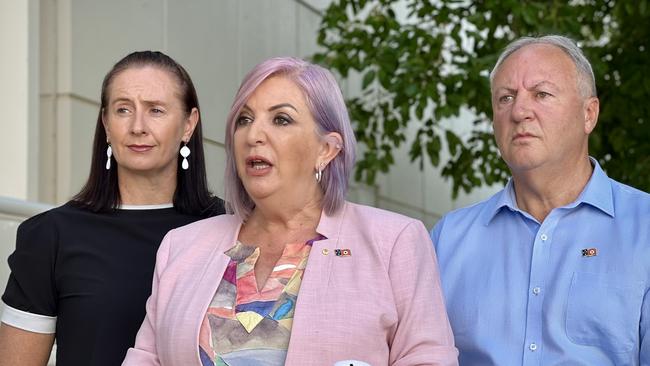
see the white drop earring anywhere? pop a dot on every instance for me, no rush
(185, 152)
(109, 153)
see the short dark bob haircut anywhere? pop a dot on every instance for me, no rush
(101, 192)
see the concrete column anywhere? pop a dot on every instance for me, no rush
(19, 24)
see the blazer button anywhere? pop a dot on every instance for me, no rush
(325, 251)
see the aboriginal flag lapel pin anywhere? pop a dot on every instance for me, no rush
(590, 252)
(342, 252)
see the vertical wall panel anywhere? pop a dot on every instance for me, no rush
(102, 32)
(202, 36)
(19, 98)
(215, 161)
(307, 28)
(266, 29)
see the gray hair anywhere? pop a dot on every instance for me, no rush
(585, 74)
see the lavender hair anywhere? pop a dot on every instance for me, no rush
(326, 104)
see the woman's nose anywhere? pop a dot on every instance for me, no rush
(256, 133)
(139, 123)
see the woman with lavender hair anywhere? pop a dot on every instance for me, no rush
(297, 275)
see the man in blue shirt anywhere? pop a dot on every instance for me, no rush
(555, 268)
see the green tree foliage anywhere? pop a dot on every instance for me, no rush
(421, 61)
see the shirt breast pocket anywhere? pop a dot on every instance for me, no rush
(604, 310)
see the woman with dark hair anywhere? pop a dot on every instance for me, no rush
(298, 275)
(81, 272)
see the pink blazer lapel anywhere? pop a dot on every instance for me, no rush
(197, 305)
(314, 286)
(197, 286)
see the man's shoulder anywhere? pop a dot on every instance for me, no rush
(629, 199)
(466, 226)
(472, 212)
(629, 191)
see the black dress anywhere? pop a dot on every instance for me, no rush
(92, 272)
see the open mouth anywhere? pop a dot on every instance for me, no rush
(257, 163)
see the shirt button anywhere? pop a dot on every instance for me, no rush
(543, 237)
(533, 347)
(325, 251)
(536, 290)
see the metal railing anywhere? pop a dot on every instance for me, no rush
(20, 208)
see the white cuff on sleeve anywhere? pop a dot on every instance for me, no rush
(28, 321)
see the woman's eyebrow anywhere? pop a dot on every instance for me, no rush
(282, 105)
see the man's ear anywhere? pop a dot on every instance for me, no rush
(591, 110)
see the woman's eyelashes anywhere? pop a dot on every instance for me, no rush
(280, 119)
(243, 120)
(154, 111)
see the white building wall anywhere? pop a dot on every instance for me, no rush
(19, 98)
(56, 95)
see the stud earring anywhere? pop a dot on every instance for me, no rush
(185, 152)
(109, 153)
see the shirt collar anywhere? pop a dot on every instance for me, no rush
(146, 207)
(503, 199)
(597, 193)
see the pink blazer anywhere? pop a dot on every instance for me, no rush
(381, 305)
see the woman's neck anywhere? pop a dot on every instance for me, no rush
(280, 225)
(146, 190)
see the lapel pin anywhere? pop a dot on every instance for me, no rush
(342, 252)
(590, 252)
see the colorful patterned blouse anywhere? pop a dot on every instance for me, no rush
(243, 326)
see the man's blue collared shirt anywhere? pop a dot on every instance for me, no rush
(572, 290)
